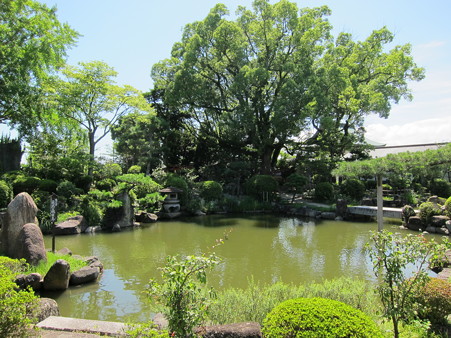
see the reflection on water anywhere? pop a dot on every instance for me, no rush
(262, 247)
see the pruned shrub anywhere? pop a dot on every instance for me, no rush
(134, 169)
(6, 194)
(262, 187)
(48, 185)
(210, 190)
(440, 187)
(106, 184)
(435, 301)
(407, 212)
(324, 192)
(25, 184)
(448, 207)
(428, 210)
(318, 317)
(16, 306)
(353, 189)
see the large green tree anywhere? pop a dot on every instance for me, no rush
(275, 73)
(88, 96)
(33, 43)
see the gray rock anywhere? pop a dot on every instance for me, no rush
(146, 217)
(116, 228)
(21, 210)
(415, 223)
(31, 245)
(439, 221)
(91, 230)
(328, 215)
(47, 307)
(448, 225)
(33, 280)
(122, 217)
(85, 275)
(93, 261)
(57, 278)
(71, 226)
(65, 252)
(237, 330)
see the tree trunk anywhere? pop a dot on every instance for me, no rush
(266, 160)
(92, 146)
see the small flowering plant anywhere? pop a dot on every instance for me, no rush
(401, 264)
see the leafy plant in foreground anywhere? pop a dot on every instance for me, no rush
(182, 292)
(391, 255)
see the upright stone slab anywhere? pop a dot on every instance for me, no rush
(57, 278)
(21, 210)
(31, 245)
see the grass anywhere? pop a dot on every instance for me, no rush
(43, 267)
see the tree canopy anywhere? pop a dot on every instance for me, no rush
(275, 76)
(33, 44)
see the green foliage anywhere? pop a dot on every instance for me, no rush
(441, 188)
(448, 207)
(44, 266)
(391, 254)
(318, 317)
(91, 211)
(106, 184)
(407, 212)
(435, 301)
(427, 210)
(25, 184)
(353, 189)
(6, 194)
(182, 292)
(134, 169)
(255, 301)
(262, 187)
(179, 182)
(148, 330)
(296, 183)
(151, 202)
(65, 215)
(48, 185)
(16, 306)
(210, 190)
(67, 189)
(324, 192)
(141, 184)
(110, 170)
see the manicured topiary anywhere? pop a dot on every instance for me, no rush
(6, 194)
(324, 191)
(134, 169)
(48, 185)
(106, 184)
(448, 207)
(427, 210)
(210, 190)
(25, 184)
(317, 317)
(435, 301)
(353, 189)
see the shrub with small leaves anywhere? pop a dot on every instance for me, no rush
(324, 192)
(210, 190)
(407, 212)
(318, 317)
(25, 184)
(428, 210)
(440, 187)
(262, 187)
(353, 189)
(6, 194)
(448, 207)
(435, 301)
(134, 169)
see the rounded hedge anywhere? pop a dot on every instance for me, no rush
(324, 192)
(435, 301)
(353, 189)
(427, 210)
(6, 194)
(210, 190)
(318, 317)
(440, 187)
(25, 184)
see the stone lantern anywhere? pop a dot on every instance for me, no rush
(171, 204)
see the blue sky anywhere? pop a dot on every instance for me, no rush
(132, 35)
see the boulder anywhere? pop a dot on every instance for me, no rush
(93, 261)
(448, 225)
(85, 275)
(21, 210)
(71, 226)
(57, 278)
(439, 221)
(415, 223)
(47, 307)
(91, 230)
(31, 245)
(328, 215)
(33, 280)
(65, 252)
(146, 217)
(116, 219)
(237, 330)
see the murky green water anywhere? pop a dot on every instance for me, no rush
(264, 247)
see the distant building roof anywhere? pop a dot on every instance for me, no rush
(385, 150)
(374, 143)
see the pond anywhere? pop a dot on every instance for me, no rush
(263, 247)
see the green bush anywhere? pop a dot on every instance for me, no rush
(262, 187)
(67, 189)
(179, 182)
(448, 207)
(324, 192)
(353, 189)
(91, 212)
(110, 170)
(435, 301)
(6, 194)
(106, 184)
(210, 190)
(318, 317)
(16, 306)
(440, 187)
(134, 169)
(48, 185)
(427, 210)
(25, 184)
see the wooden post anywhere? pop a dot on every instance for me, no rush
(380, 204)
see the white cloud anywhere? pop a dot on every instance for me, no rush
(417, 132)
